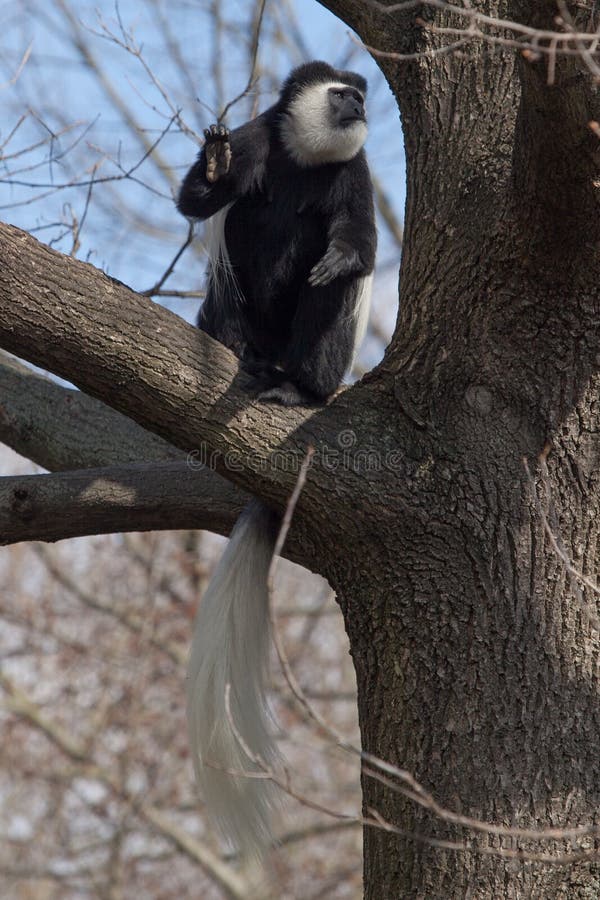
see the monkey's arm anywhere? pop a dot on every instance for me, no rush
(230, 165)
(352, 238)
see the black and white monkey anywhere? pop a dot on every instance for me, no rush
(292, 250)
(292, 240)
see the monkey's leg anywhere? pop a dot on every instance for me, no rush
(321, 347)
(219, 317)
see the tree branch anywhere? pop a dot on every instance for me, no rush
(70, 318)
(141, 497)
(132, 479)
(173, 379)
(60, 428)
(557, 180)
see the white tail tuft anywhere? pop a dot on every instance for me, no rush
(231, 646)
(361, 312)
(220, 270)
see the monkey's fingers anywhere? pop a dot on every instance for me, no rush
(215, 133)
(340, 259)
(328, 268)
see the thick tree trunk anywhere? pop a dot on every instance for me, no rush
(476, 659)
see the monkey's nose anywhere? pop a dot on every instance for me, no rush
(354, 109)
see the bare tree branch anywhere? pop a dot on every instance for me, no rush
(60, 428)
(66, 316)
(141, 497)
(254, 59)
(144, 484)
(155, 289)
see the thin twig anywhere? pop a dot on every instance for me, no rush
(125, 173)
(20, 68)
(252, 77)
(151, 292)
(532, 42)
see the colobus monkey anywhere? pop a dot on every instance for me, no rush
(293, 234)
(292, 250)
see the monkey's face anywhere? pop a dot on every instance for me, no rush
(346, 106)
(324, 123)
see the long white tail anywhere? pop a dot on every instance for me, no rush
(231, 646)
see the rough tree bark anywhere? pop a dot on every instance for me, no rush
(477, 667)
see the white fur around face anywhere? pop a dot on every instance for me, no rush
(308, 134)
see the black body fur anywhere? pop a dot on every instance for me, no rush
(299, 239)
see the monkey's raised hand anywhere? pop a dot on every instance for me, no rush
(218, 152)
(339, 259)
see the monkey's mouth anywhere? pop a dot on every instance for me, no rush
(352, 118)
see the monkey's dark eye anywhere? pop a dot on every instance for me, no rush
(339, 93)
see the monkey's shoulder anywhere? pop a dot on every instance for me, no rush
(251, 142)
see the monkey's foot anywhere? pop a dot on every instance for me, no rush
(285, 393)
(218, 152)
(263, 371)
